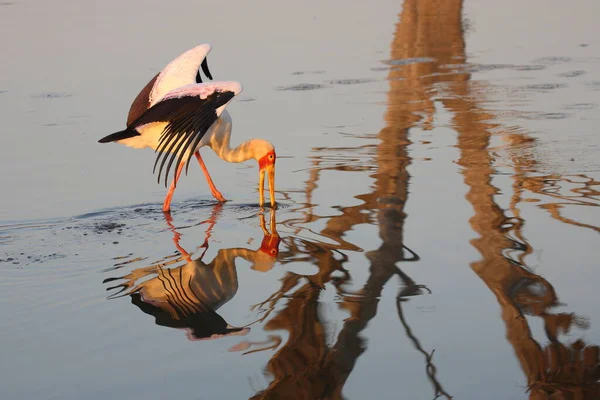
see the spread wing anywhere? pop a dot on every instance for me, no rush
(183, 70)
(189, 112)
(141, 102)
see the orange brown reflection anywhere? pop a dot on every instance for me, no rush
(306, 366)
(557, 370)
(185, 293)
(428, 38)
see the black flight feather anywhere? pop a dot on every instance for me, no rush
(189, 118)
(205, 69)
(125, 134)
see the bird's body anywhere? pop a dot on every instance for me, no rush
(147, 133)
(176, 121)
(150, 134)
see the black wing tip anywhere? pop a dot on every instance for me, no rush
(223, 98)
(113, 137)
(205, 69)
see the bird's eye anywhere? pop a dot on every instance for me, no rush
(273, 251)
(270, 156)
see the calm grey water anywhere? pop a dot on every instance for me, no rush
(438, 181)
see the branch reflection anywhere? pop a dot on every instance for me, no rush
(429, 39)
(306, 367)
(557, 370)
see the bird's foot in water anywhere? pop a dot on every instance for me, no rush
(217, 195)
(167, 205)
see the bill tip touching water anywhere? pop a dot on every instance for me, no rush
(176, 114)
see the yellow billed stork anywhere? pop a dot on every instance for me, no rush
(176, 115)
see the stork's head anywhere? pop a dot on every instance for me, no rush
(264, 153)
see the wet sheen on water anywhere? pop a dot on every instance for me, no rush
(436, 234)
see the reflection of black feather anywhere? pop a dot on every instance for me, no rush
(189, 118)
(203, 321)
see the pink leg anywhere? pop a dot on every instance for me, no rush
(213, 189)
(167, 203)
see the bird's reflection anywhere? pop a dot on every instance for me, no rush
(188, 296)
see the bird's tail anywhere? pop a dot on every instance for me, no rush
(125, 134)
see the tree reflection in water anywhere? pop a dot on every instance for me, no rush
(428, 41)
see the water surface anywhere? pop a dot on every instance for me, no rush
(438, 185)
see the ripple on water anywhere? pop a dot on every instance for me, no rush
(551, 60)
(473, 67)
(58, 242)
(244, 207)
(485, 67)
(580, 106)
(407, 61)
(554, 115)
(110, 220)
(51, 95)
(51, 124)
(594, 85)
(381, 68)
(351, 81)
(308, 72)
(571, 74)
(108, 227)
(535, 116)
(23, 258)
(301, 87)
(543, 87)
(528, 67)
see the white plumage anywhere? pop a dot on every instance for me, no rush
(182, 71)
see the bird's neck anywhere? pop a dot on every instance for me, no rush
(219, 142)
(241, 153)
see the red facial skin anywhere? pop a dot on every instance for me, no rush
(267, 160)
